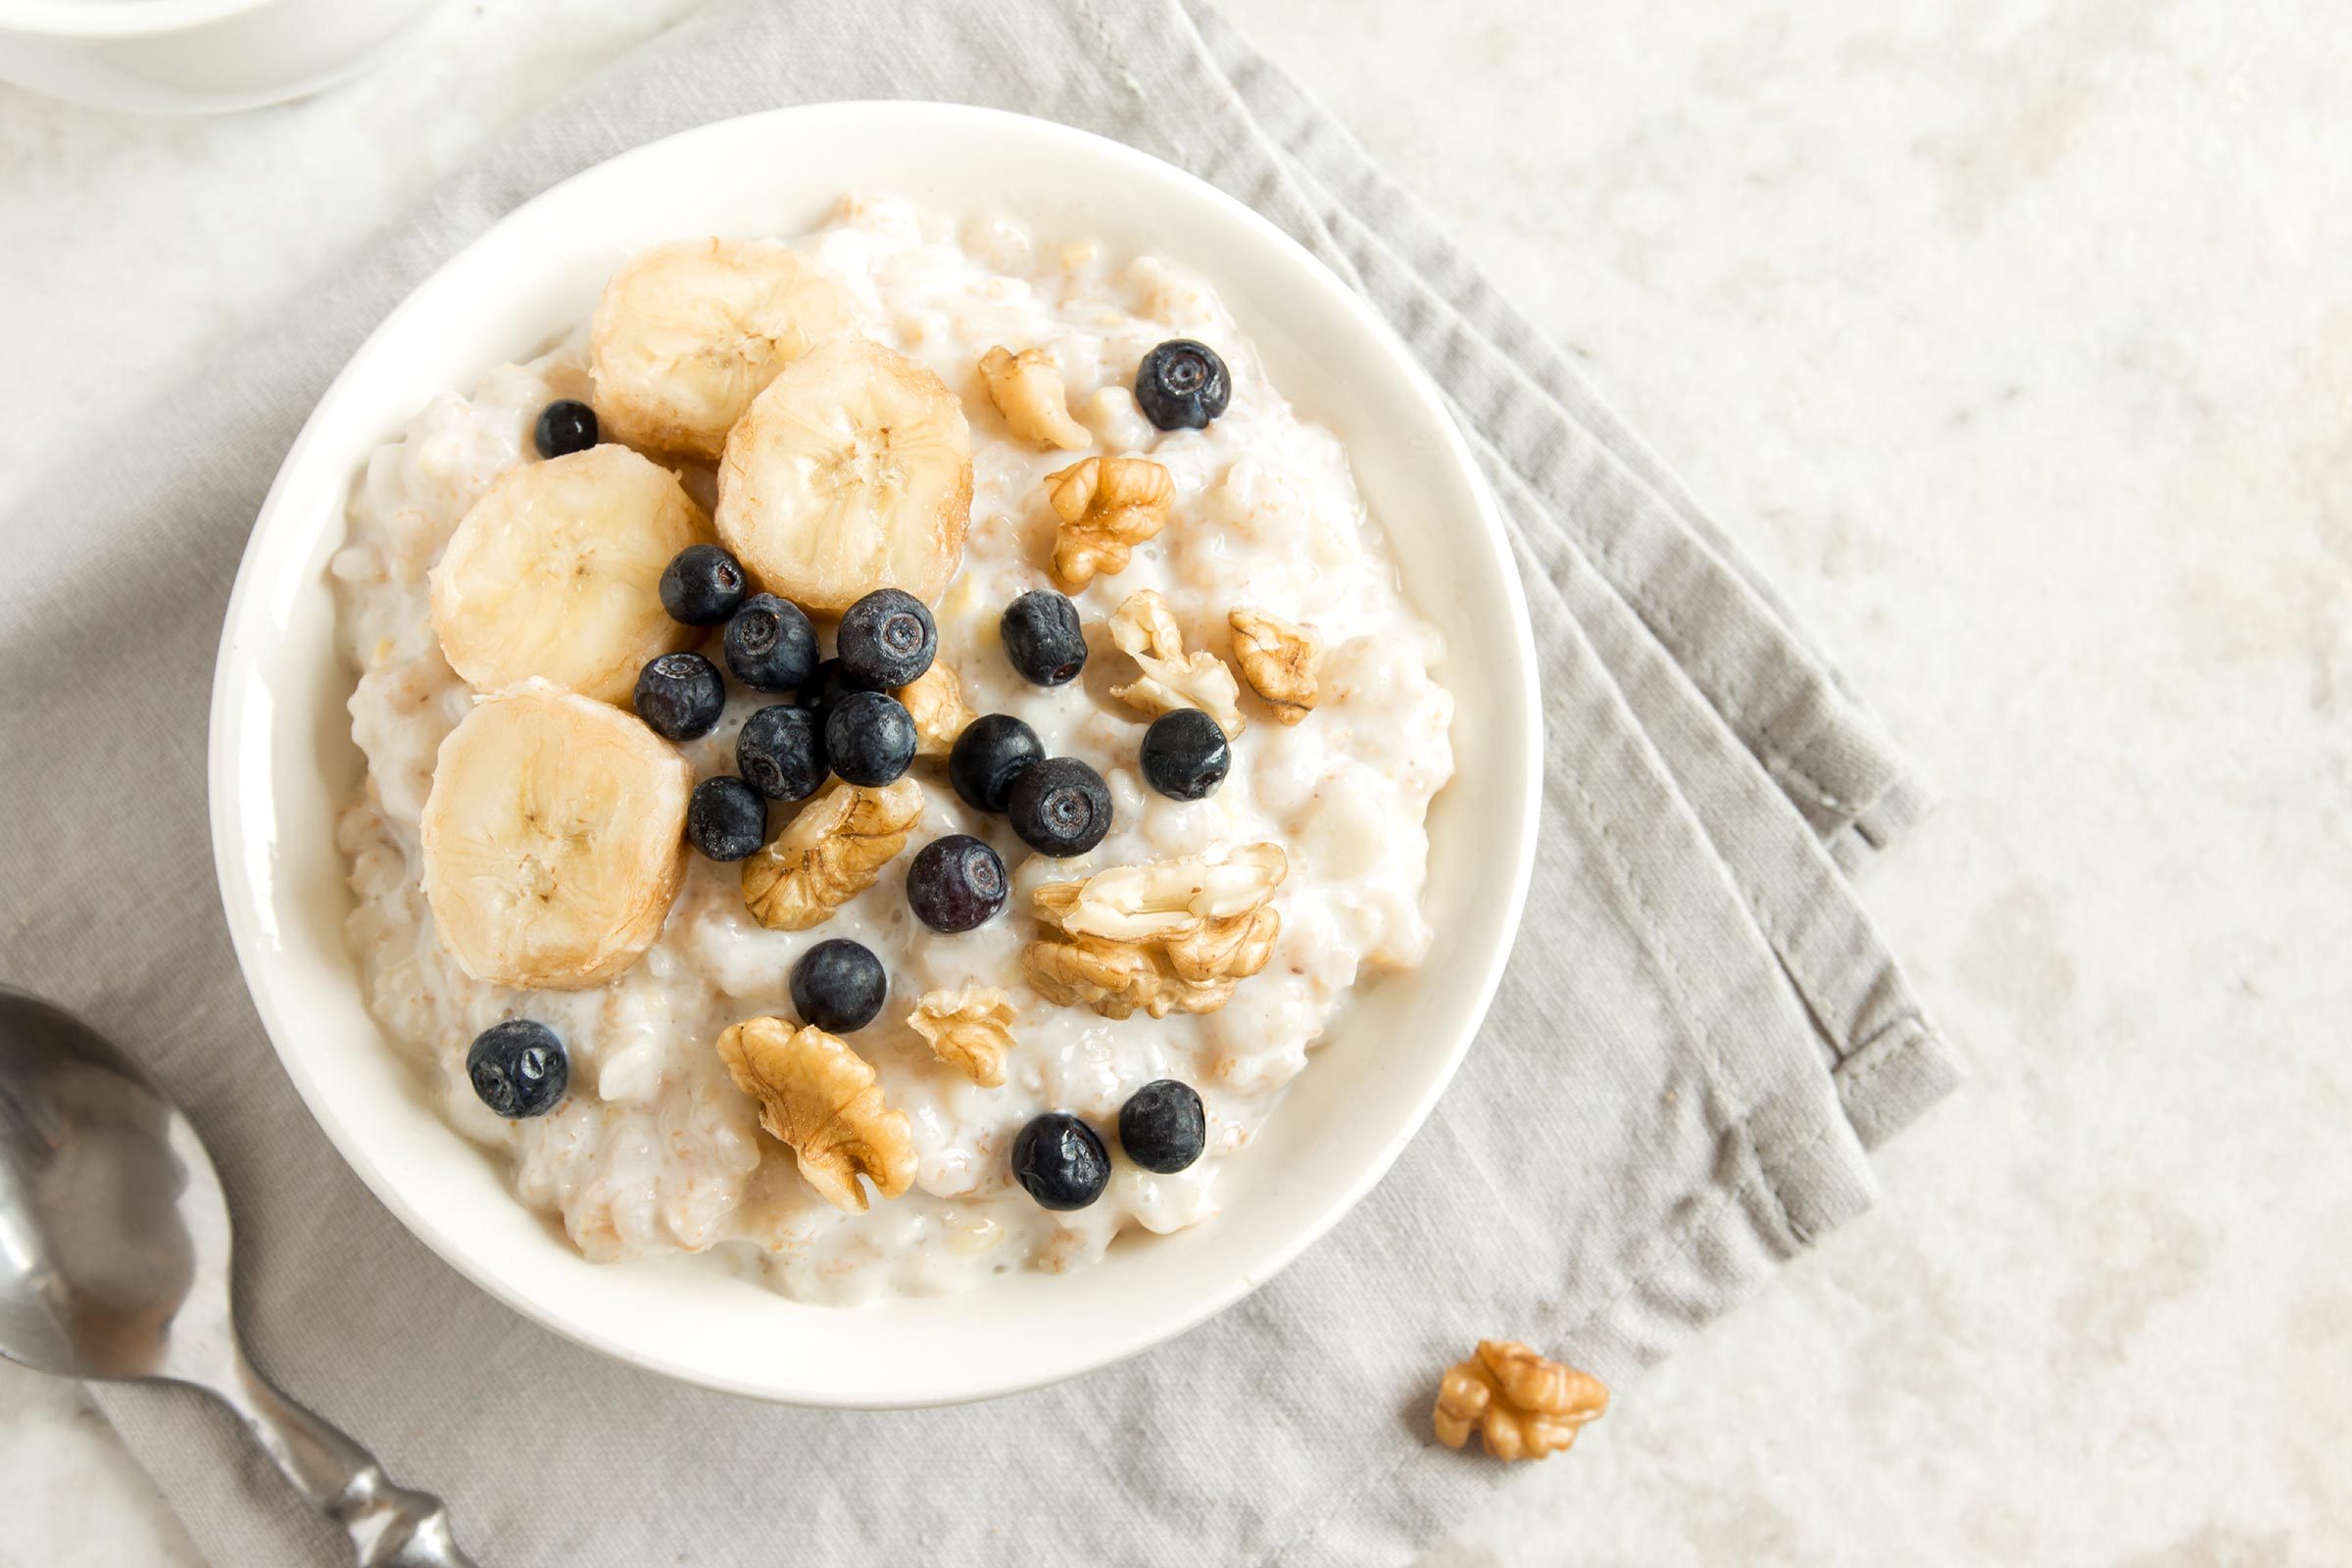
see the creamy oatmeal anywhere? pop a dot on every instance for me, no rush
(1264, 542)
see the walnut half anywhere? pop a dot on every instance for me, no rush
(1030, 397)
(1170, 937)
(970, 1029)
(819, 1097)
(934, 700)
(1117, 979)
(1145, 629)
(1279, 660)
(834, 849)
(1522, 1406)
(1107, 505)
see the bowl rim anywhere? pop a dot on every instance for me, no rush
(119, 18)
(234, 682)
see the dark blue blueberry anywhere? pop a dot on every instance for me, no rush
(838, 986)
(1162, 1127)
(727, 818)
(824, 688)
(1059, 1162)
(1186, 756)
(1042, 637)
(781, 752)
(565, 425)
(956, 883)
(702, 585)
(681, 696)
(993, 751)
(769, 644)
(1181, 385)
(1060, 806)
(870, 737)
(518, 1068)
(886, 640)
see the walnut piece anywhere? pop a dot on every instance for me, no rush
(1117, 979)
(1107, 505)
(934, 700)
(834, 849)
(1170, 937)
(970, 1029)
(1522, 1406)
(1030, 397)
(1145, 629)
(1278, 659)
(1167, 899)
(818, 1096)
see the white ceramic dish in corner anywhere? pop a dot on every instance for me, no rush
(282, 763)
(193, 57)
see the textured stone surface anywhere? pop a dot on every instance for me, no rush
(2016, 338)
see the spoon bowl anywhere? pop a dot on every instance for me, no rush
(114, 1265)
(109, 1205)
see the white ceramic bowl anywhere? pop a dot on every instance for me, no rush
(193, 56)
(283, 764)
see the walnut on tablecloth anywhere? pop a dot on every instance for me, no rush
(1522, 1405)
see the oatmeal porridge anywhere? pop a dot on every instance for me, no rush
(1108, 788)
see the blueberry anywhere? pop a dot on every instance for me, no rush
(518, 1068)
(566, 425)
(824, 688)
(1186, 756)
(870, 737)
(991, 751)
(769, 644)
(681, 696)
(838, 986)
(1060, 1161)
(1162, 1127)
(781, 752)
(727, 818)
(1060, 806)
(886, 640)
(702, 585)
(1042, 637)
(1181, 385)
(956, 883)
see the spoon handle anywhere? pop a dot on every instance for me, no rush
(390, 1526)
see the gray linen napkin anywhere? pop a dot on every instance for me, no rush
(1675, 1097)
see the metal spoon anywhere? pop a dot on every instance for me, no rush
(113, 1263)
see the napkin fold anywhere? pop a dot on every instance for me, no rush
(1674, 1096)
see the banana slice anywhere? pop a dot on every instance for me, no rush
(554, 839)
(852, 471)
(556, 574)
(687, 334)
